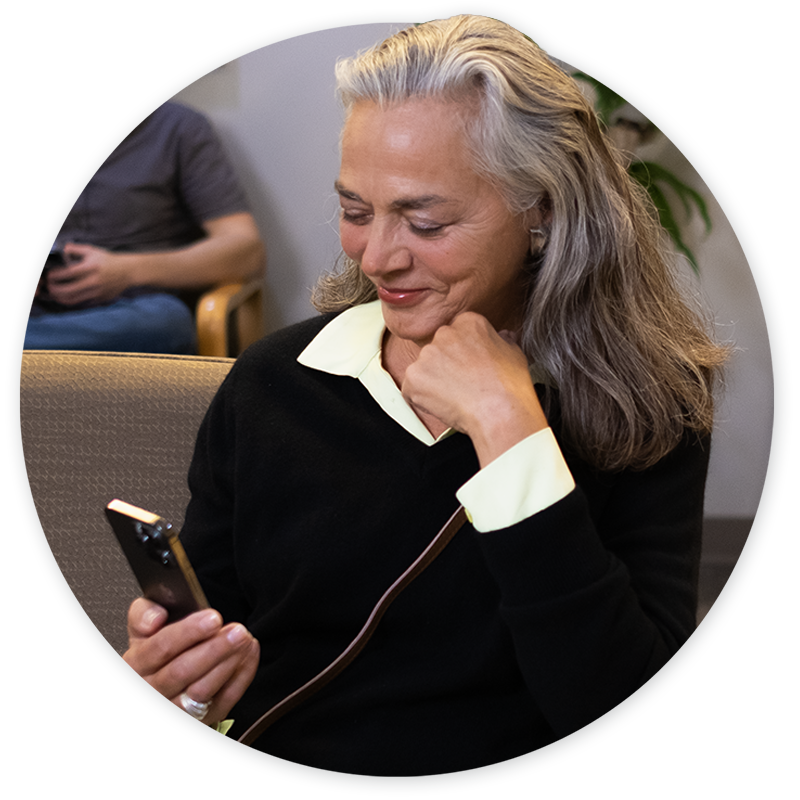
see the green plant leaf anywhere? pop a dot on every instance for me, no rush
(647, 172)
(662, 58)
(668, 222)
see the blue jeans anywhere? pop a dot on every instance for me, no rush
(149, 323)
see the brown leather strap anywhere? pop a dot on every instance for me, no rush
(354, 648)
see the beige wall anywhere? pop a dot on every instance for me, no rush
(276, 113)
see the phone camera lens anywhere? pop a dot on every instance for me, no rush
(141, 533)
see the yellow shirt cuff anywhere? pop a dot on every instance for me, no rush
(157, 735)
(526, 479)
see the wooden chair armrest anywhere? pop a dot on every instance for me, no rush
(228, 296)
(229, 318)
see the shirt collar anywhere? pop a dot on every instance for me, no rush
(350, 344)
(347, 344)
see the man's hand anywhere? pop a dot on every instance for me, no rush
(231, 251)
(477, 381)
(93, 275)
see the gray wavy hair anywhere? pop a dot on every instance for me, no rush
(633, 363)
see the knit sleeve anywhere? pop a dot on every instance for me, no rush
(598, 595)
(208, 530)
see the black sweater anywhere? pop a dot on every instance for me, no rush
(308, 502)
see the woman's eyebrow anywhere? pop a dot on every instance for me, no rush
(346, 193)
(418, 203)
(409, 203)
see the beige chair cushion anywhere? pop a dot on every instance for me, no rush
(96, 426)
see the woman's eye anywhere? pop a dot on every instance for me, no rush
(427, 229)
(355, 217)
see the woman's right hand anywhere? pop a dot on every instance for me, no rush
(196, 655)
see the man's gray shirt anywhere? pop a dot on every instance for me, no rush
(153, 191)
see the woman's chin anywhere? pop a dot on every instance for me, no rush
(410, 326)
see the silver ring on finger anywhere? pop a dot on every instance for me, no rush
(194, 708)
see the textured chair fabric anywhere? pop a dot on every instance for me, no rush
(99, 426)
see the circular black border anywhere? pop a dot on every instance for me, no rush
(483, 781)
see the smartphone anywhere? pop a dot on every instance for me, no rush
(157, 559)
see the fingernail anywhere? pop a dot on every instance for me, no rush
(151, 616)
(238, 634)
(210, 621)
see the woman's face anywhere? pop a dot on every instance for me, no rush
(433, 236)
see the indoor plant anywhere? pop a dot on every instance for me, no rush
(665, 59)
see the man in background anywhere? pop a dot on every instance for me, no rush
(163, 214)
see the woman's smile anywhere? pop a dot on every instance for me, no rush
(401, 297)
(434, 237)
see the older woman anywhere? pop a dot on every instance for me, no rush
(505, 333)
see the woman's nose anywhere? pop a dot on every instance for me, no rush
(384, 250)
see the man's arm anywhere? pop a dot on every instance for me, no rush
(231, 251)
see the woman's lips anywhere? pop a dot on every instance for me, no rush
(400, 297)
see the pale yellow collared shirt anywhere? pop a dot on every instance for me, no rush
(524, 480)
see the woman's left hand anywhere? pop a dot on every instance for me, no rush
(476, 380)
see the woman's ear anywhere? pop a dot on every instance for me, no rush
(537, 220)
(540, 214)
